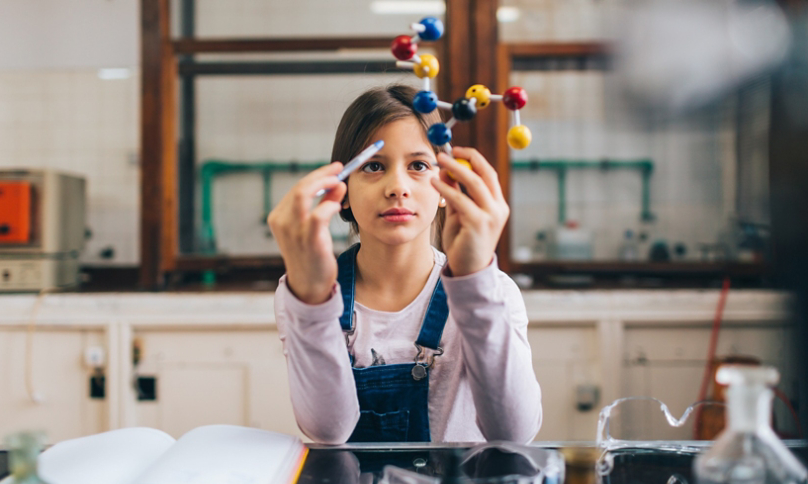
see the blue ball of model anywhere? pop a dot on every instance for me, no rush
(425, 102)
(439, 134)
(433, 29)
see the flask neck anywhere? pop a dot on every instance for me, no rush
(749, 407)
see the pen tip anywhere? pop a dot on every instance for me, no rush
(379, 144)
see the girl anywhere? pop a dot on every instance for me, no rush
(396, 341)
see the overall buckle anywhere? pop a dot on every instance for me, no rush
(419, 370)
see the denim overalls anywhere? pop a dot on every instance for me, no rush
(393, 399)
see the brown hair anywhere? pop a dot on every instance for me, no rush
(366, 115)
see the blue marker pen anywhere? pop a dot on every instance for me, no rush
(352, 165)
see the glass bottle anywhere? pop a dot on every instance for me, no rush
(540, 246)
(748, 451)
(629, 249)
(579, 465)
(24, 449)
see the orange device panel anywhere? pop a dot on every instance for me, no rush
(15, 212)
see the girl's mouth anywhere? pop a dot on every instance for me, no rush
(397, 215)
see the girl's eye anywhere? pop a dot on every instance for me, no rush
(420, 166)
(372, 167)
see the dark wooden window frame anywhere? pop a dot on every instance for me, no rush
(467, 51)
(674, 273)
(470, 53)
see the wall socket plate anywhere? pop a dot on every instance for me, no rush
(94, 356)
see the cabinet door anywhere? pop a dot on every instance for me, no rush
(57, 375)
(563, 359)
(205, 377)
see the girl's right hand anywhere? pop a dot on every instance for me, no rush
(303, 236)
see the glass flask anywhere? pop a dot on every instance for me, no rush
(748, 451)
(23, 451)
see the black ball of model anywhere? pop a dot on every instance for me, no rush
(463, 110)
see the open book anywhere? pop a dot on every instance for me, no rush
(206, 455)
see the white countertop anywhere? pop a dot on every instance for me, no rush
(257, 309)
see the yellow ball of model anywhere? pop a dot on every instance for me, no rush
(481, 93)
(463, 162)
(519, 137)
(428, 67)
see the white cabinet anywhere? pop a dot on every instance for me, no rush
(217, 357)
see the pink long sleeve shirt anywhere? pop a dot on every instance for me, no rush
(482, 388)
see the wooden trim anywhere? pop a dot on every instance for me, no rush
(203, 46)
(557, 49)
(484, 71)
(170, 222)
(487, 136)
(456, 59)
(503, 156)
(221, 262)
(154, 37)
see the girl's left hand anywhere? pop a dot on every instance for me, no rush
(475, 219)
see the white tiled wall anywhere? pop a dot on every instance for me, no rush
(558, 20)
(70, 120)
(296, 18)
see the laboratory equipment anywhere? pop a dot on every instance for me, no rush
(540, 246)
(629, 249)
(42, 229)
(659, 252)
(580, 465)
(646, 422)
(570, 242)
(748, 451)
(24, 449)
(478, 96)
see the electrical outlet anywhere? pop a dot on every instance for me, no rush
(146, 388)
(94, 356)
(98, 386)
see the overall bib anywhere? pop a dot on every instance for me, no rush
(393, 399)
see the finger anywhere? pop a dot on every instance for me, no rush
(324, 177)
(305, 190)
(482, 167)
(447, 179)
(336, 194)
(457, 201)
(321, 214)
(474, 185)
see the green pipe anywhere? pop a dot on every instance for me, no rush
(646, 168)
(210, 169)
(646, 214)
(562, 195)
(267, 193)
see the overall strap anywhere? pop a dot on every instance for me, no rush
(346, 277)
(436, 315)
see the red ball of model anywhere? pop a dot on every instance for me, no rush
(403, 47)
(514, 98)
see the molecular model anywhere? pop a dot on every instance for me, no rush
(477, 96)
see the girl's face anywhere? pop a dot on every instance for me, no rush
(391, 196)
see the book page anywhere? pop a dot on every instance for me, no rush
(113, 457)
(227, 454)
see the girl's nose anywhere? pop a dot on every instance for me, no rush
(397, 184)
